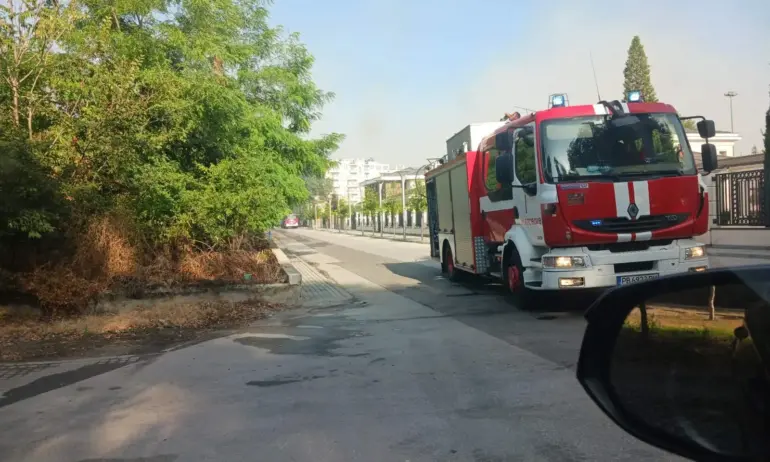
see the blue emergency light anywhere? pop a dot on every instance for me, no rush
(634, 96)
(557, 101)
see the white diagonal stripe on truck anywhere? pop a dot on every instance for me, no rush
(622, 201)
(642, 197)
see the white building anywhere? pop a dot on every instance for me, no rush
(723, 141)
(349, 173)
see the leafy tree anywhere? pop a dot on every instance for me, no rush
(343, 209)
(418, 200)
(371, 202)
(393, 206)
(319, 186)
(636, 74)
(192, 118)
(324, 211)
(690, 125)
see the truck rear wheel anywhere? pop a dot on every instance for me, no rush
(513, 280)
(448, 265)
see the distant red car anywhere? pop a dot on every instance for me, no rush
(291, 221)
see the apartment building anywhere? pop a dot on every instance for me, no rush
(350, 173)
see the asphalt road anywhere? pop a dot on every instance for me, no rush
(413, 369)
(553, 331)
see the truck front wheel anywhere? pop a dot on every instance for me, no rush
(513, 280)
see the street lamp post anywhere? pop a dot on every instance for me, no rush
(380, 214)
(731, 94)
(403, 204)
(422, 224)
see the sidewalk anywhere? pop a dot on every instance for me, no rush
(722, 256)
(387, 234)
(317, 290)
(409, 251)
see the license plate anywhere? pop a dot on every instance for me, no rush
(625, 280)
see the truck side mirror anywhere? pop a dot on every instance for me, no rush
(504, 169)
(708, 156)
(706, 129)
(503, 141)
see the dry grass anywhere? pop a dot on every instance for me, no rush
(24, 337)
(229, 266)
(662, 317)
(109, 256)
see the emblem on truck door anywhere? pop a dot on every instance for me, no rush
(633, 210)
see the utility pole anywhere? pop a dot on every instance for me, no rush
(731, 94)
(380, 214)
(403, 203)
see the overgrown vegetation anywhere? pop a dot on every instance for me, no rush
(138, 137)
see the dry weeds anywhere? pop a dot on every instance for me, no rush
(108, 256)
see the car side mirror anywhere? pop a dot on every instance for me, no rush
(504, 169)
(709, 157)
(503, 141)
(683, 362)
(706, 128)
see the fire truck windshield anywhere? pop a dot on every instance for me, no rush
(601, 148)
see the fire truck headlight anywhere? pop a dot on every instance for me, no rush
(692, 253)
(564, 262)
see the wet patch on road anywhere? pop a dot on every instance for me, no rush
(63, 379)
(278, 381)
(323, 341)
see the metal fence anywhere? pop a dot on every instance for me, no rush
(740, 198)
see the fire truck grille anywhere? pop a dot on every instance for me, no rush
(620, 247)
(624, 225)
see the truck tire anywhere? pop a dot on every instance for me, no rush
(513, 281)
(448, 265)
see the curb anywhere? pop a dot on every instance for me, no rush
(318, 289)
(386, 237)
(293, 276)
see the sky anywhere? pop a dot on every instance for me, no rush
(407, 75)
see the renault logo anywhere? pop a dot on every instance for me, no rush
(633, 210)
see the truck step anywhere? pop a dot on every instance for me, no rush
(534, 284)
(535, 259)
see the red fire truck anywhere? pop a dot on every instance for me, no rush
(572, 197)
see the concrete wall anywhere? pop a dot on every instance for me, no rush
(740, 237)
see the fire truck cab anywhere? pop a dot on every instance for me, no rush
(572, 197)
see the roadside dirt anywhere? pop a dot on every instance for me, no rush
(24, 337)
